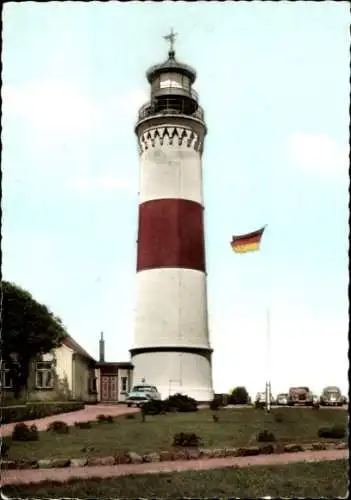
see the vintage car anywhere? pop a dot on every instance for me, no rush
(282, 399)
(331, 396)
(300, 396)
(141, 394)
(261, 398)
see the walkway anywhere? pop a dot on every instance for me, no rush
(38, 475)
(90, 412)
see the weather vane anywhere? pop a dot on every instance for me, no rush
(171, 38)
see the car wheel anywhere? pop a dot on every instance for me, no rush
(129, 405)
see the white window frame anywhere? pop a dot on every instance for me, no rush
(41, 369)
(124, 379)
(4, 371)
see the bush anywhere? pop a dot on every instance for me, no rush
(215, 404)
(83, 425)
(105, 418)
(186, 439)
(181, 403)
(130, 416)
(4, 447)
(153, 407)
(32, 411)
(334, 432)
(21, 432)
(222, 398)
(265, 437)
(239, 396)
(58, 426)
(259, 405)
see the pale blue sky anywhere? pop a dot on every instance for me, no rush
(273, 80)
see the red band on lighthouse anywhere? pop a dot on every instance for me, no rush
(171, 234)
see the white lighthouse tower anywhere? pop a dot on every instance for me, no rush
(171, 340)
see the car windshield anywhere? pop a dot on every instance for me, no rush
(142, 388)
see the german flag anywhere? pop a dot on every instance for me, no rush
(247, 242)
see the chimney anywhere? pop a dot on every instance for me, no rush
(102, 348)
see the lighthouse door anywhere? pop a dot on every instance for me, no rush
(109, 390)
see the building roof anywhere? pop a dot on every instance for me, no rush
(72, 344)
(112, 364)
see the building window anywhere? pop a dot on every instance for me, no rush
(124, 381)
(92, 384)
(44, 377)
(6, 377)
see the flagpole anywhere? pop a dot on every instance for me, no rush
(268, 360)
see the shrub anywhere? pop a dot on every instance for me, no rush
(58, 426)
(21, 432)
(181, 403)
(265, 436)
(152, 407)
(4, 447)
(130, 416)
(334, 432)
(83, 425)
(259, 405)
(186, 439)
(239, 396)
(215, 404)
(105, 418)
(32, 411)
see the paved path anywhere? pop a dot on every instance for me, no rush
(36, 476)
(90, 412)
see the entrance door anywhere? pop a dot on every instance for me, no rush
(109, 388)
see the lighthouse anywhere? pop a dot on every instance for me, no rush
(171, 348)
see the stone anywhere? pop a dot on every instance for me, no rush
(267, 449)
(316, 447)
(250, 451)
(134, 457)
(8, 464)
(206, 453)
(166, 456)
(44, 464)
(230, 452)
(151, 457)
(122, 458)
(193, 454)
(26, 464)
(341, 446)
(79, 462)
(218, 452)
(101, 461)
(180, 455)
(60, 462)
(292, 448)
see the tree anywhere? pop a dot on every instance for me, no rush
(239, 396)
(28, 330)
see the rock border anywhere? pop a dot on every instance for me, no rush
(130, 457)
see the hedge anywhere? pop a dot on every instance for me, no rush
(32, 411)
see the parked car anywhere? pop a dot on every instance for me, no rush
(282, 399)
(141, 394)
(261, 397)
(331, 396)
(300, 396)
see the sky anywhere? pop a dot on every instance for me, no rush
(273, 78)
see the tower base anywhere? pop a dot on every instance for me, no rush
(173, 372)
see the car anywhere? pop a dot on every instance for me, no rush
(300, 396)
(141, 394)
(331, 396)
(282, 399)
(261, 397)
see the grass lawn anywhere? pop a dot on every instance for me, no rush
(236, 427)
(304, 480)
